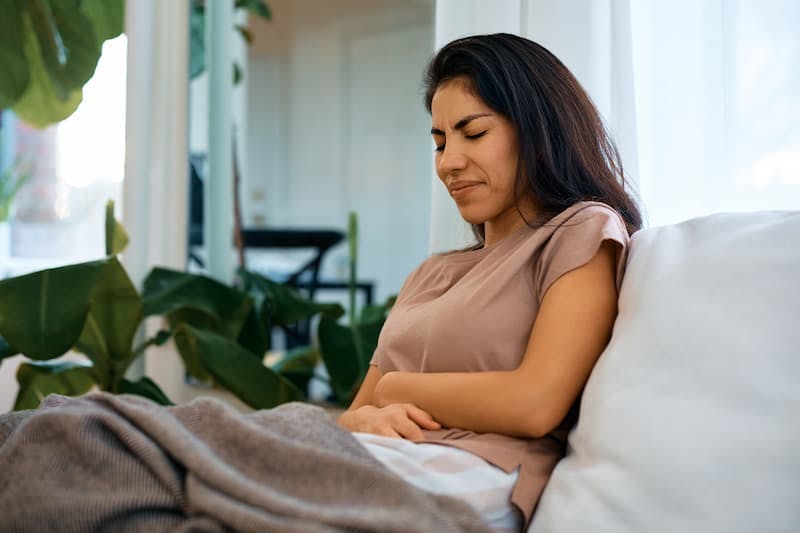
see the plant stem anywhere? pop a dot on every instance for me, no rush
(352, 239)
(237, 209)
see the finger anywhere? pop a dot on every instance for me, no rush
(422, 418)
(409, 430)
(388, 432)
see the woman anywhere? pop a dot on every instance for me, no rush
(487, 349)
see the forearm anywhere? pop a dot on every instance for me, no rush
(485, 402)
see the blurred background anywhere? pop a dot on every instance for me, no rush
(326, 118)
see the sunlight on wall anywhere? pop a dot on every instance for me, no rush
(91, 142)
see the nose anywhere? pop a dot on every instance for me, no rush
(452, 159)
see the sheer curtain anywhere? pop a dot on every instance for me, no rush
(155, 189)
(718, 118)
(156, 163)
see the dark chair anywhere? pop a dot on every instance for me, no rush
(304, 278)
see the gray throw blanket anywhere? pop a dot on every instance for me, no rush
(122, 463)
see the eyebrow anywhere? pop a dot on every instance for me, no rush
(461, 123)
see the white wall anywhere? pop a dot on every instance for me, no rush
(337, 123)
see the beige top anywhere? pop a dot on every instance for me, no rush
(473, 311)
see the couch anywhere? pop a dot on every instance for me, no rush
(690, 421)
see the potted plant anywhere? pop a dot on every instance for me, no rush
(221, 332)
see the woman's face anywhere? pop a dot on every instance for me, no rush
(476, 157)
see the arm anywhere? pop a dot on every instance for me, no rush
(402, 420)
(571, 330)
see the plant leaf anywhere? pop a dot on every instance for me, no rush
(40, 104)
(38, 379)
(372, 313)
(254, 336)
(287, 306)
(146, 388)
(13, 64)
(107, 18)
(42, 314)
(298, 365)
(257, 7)
(300, 359)
(67, 43)
(197, 41)
(346, 351)
(188, 349)
(245, 33)
(238, 371)
(116, 236)
(167, 291)
(114, 316)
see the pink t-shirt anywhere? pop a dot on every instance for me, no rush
(473, 311)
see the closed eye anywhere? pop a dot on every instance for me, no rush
(440, 147)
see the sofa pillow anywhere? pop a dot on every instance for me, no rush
(690, 421)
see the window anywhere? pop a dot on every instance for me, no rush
(718, 117)
(76, 166)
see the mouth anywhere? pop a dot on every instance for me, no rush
(459, 190)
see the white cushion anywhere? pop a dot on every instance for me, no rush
(690, 421)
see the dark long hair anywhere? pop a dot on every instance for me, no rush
(565, 152)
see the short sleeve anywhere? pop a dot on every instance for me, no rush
(576, 241)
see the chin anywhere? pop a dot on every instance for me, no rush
(473, 216)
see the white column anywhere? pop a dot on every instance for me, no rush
(218, 188)
(454, 19)
(155, 190)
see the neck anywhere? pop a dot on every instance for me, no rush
(507, 223)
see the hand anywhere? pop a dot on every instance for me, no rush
(400, 420)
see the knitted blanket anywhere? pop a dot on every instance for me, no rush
(123, 463)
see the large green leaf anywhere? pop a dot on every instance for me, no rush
(38, 379)
(116, 236)
(188, 350)
(286, 305)
(107, 17)
(145, 387)
(67, 43)
(254, 336)
(42, 314)
(41, 104)
(13, 65)
(114, 316)
(346, 351)
(237, 370)
(166, 291)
